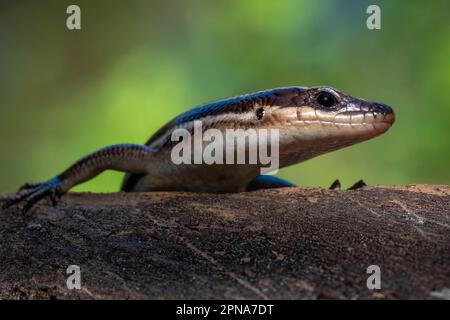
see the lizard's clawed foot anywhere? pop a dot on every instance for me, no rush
(335, 185)
(358, 185)
(32, 193)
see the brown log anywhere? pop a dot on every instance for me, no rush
(291, 243)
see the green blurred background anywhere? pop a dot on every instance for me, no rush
(136, 64)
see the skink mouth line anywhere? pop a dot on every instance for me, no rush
(374, 113)
(350, 124)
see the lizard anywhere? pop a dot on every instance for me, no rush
(311, 121)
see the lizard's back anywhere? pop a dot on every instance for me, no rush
(164, 175)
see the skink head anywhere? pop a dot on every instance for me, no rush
(324, 111)
(348, 115)
(321, 119)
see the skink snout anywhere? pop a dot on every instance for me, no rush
(382, 108)
(388, 115)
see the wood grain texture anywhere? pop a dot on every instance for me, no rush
(291, 243)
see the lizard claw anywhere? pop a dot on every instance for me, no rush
(32, 193)
(358, 185)
(335, 185)
(27, 186)
(54, 196)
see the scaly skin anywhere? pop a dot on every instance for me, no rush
(311, 121)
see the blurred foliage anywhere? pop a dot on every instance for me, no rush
(136, 64)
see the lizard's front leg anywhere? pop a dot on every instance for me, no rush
(130, 158)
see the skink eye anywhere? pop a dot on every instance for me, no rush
(326, 99)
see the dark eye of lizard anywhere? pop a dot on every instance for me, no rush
(260, 113)
(326, 99)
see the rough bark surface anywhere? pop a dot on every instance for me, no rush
(291, 243)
